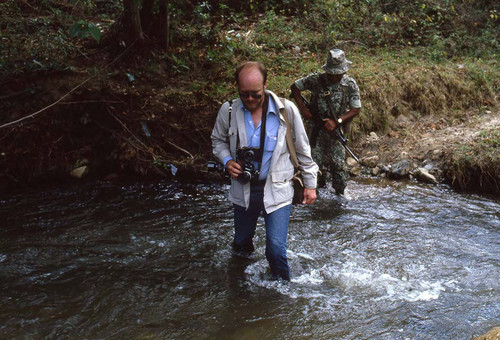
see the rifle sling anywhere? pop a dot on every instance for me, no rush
(332, 111)
(326, 93)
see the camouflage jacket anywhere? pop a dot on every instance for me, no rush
(342, 95)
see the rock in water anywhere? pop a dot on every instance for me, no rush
(424, 176)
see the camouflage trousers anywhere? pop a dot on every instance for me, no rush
(329, 154)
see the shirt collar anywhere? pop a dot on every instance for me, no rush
(271, 108)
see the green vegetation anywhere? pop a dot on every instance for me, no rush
(413, 59)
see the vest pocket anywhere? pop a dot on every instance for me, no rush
(282, 189)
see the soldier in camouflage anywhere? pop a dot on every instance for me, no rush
(335, 100)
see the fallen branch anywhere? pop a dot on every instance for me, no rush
(128, 130)
(179, 148)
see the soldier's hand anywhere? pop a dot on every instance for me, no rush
(233, 168)
(330, 124)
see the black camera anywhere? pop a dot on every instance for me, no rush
(246, 157)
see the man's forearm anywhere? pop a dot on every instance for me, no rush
(304, 111)
(350, 114)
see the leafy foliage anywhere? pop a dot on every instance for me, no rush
(83, 29)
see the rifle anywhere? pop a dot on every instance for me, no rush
(337, 133)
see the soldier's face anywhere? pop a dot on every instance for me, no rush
(251, 88)
(335, 78)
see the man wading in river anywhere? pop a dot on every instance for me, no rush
(335, 101)
(259, 163)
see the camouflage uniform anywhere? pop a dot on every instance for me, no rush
(328, 152)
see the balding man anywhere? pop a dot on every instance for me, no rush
(249, 139)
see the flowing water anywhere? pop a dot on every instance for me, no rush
(391, 260)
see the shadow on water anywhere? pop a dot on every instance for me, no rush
(390, 260)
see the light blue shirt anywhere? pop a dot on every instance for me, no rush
(253, 136)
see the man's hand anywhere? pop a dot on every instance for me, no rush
(309, 196)
(330, 124)
(233, 168)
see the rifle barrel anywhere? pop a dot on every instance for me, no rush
(343, 141)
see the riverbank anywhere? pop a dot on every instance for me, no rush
(432, 153)
(96, 140)
(75, 110)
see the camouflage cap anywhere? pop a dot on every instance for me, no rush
(336, 63)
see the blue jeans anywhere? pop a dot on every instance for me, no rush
(245, 222)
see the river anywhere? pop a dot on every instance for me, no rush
(390, 260)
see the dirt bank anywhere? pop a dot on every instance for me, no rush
(430, 144)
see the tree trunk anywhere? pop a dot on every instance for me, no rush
(147, 12)
(131, 22)
(164, 28)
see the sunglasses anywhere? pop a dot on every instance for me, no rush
(247, 95)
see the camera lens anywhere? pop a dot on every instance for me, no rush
(244, 177)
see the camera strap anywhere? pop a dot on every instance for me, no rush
(230, 111)
(265, 106)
